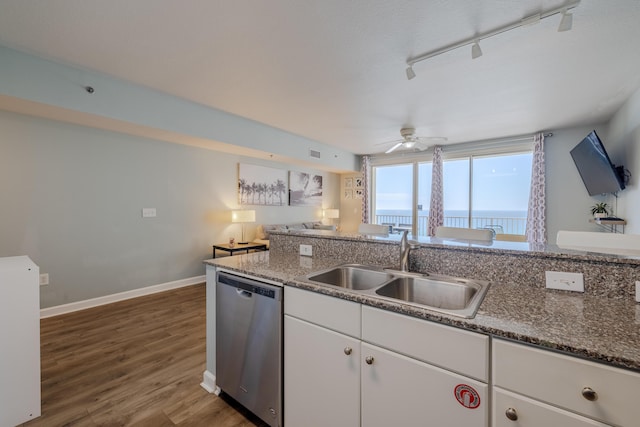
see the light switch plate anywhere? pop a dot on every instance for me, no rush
(306, 250)
(44, 279)
(148, 212)
(565, 281)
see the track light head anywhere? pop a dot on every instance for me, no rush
(566, 22)
(476, 52)
(410, 73)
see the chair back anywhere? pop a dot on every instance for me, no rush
(464, 233)
(373, 229)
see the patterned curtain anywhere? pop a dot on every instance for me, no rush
(366, 180)
(436, 205)
(536, 227)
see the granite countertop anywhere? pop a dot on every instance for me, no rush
(495, 246)
(597, 328)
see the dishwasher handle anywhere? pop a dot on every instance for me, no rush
(250, 286)
(243, 293)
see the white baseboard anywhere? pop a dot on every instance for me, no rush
(209, 383)
(108, 299)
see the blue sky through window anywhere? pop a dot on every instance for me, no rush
(500, 183)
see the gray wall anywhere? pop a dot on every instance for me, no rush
(623, 146)
(568, 203)
(72, 199)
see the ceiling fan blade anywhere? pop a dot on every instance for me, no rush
(390, 142)
(393, 148)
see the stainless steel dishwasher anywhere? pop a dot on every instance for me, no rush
(249, 344)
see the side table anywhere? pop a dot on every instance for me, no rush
(237, 247)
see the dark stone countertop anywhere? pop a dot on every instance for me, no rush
(598, 328)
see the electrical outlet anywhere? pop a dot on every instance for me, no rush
(565, 281)
(306, 250)
(148, 212)
(637, 290)
(44, 279)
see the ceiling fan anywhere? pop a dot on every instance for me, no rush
(411, 141)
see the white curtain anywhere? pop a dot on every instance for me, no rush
(436, 205)
(366, 180)
(536, 227)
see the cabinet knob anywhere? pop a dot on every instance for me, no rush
(589, 394)
(511, 414)
(348, 350)
(369, 360)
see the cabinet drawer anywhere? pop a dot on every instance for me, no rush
(450, 348)
(330, 312)
(531, 413)
(559, 380)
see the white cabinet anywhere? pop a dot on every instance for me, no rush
(514, 410)
(335, 377)
(401, 391)
(20, 338)
(321, 376)
(321, 363)
(422, 376)
(556, 383)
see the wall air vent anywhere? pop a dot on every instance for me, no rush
(315, 154)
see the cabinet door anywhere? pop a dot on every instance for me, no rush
(400, 391)
(321, 376)
(525, 412)
(567, 382)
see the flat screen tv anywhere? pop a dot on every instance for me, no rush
(599, 175)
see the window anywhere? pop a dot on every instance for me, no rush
(393, 195)
(488, 191)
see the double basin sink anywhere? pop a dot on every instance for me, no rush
(444, 294)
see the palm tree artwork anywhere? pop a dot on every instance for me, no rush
(261, 185)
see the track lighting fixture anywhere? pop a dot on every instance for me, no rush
(410, 73)
(476, 51)
(566, 22)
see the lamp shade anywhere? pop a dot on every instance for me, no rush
(243, 216)
(332, 213)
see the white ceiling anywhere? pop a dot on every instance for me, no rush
(334, 70)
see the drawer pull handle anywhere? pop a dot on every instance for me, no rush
(369, 360)
(348, 350)
(589, 394)
(511, 414)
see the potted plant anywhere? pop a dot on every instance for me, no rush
(599, 210)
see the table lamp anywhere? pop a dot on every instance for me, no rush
(243, 216)
(331, 214)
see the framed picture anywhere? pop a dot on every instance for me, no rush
(348, 183)
(348, 194)
(358, 182)
(305, 189)
(359, 193)
(260, 185)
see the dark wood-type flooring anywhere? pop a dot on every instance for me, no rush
(132, 363)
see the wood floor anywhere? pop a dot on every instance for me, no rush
(133, 363)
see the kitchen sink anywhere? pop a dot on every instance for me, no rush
(352, 276)
(444, 294)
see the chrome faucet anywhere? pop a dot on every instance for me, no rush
(405, 247)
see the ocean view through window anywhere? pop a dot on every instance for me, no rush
(482, 192)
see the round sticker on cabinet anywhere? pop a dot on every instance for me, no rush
(467, 396)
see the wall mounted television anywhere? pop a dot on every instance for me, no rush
(599, 175)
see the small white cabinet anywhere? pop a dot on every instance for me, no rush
(321, 360)
(393, 373)
(402, 391)
(20, 338)
(321, 376)
(537, 385)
